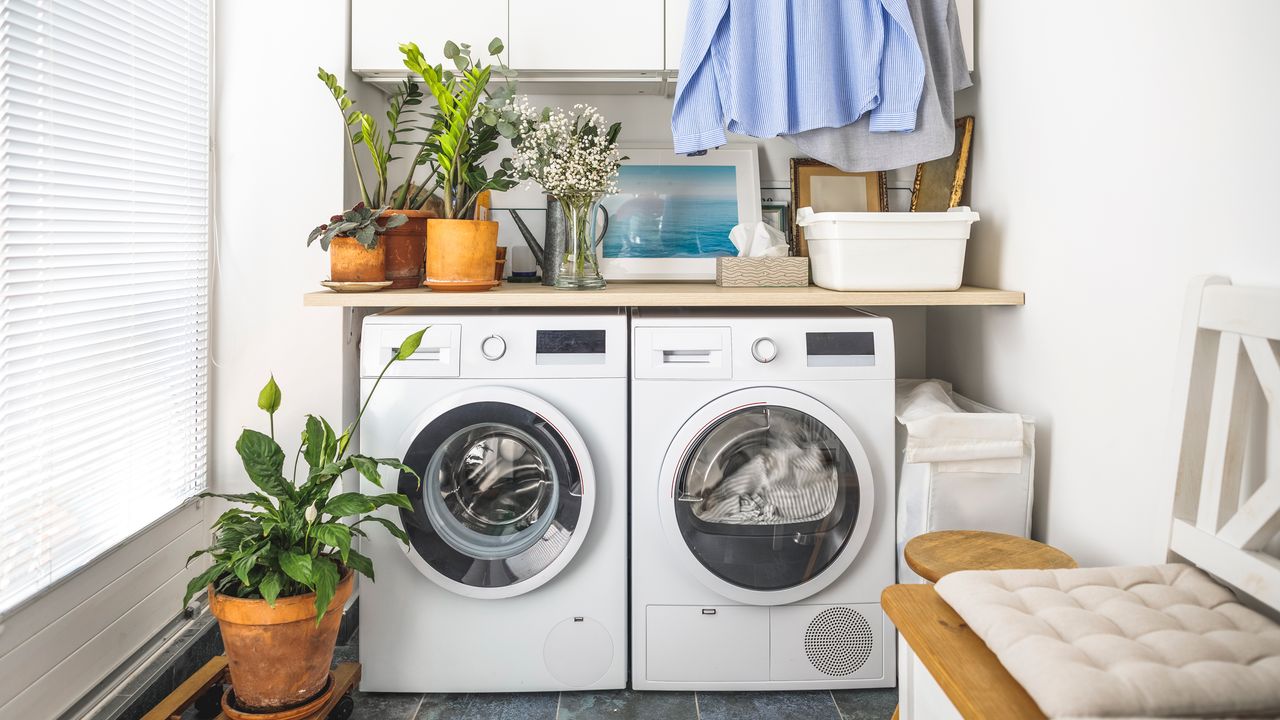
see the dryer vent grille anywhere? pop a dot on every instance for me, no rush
(838, 641)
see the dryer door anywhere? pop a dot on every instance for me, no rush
(766, 495)
(506, 495)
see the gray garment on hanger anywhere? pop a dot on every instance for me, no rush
(854, 148)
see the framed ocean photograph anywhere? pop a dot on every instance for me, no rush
(672, 214)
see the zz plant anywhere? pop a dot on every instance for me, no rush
(288, 538)
(467, 122)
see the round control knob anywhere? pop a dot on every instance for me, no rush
(493, 347)
(764, 350)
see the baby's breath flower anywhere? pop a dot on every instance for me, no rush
(567, 153)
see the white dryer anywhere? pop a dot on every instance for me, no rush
(515, 577)
(762, 491)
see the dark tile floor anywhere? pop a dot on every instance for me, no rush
(623, 704)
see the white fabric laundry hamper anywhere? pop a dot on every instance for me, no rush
(967, 484)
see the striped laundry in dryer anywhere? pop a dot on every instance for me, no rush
(786, 482)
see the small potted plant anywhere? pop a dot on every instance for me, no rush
(283, 561)
(464, 130)
(405, 242)
(351, 239)
(574, 156)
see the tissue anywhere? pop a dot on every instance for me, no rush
(758, 239)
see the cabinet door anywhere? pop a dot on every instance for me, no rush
(677, 12)
(379, 26)
(586, 35)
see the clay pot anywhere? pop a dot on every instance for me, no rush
(461, 254)
(278, 656)
(500, 269)
(349, 261)
(406, 248)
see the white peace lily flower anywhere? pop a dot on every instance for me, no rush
(310, 513)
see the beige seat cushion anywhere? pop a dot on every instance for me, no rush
(1161, 641)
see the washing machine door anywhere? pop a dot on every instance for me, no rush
(506, 496)
(766, 495)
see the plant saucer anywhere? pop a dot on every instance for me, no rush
(355, 287)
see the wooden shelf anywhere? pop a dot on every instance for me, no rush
(656, 294)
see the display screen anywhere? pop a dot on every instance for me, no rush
(570, 342)
(841, 343)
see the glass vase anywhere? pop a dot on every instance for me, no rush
(579, 268)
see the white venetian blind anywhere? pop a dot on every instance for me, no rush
(104, 238)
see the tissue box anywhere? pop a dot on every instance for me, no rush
(762, 271)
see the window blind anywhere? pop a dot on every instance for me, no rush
(104, 219)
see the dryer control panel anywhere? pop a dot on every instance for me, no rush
(820, 346)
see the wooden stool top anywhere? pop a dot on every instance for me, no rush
(933, 555)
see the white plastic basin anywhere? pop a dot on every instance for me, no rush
(887, 250)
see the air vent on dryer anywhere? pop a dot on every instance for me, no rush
(838, 641)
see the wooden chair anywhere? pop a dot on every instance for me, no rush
(1227, 362)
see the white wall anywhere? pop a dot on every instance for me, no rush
(280, 172)
(1120, 149)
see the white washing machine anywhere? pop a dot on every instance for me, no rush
(515, 577)
(762, 500)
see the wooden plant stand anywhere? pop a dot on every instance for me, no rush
(204, 690)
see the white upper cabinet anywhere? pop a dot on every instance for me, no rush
(677, 13)
(586, 35)
(379, 26)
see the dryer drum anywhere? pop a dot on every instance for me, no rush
(767, 497)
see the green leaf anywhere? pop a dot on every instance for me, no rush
(269, 397)
(393, 499)
(270, 587)
(313, 437)
(450, 50)
(257, 499)
(495, 46)
(297, 566)
(202, 581)
(352, 503)
(390, 526)
(360, 564)
(410, 345)
(334, 535)
(264, 462)
(368, 467)
(324, 575)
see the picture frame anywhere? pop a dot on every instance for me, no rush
(672, 214)
(826, 188)
(939, 184)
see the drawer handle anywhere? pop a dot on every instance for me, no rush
(708, 611)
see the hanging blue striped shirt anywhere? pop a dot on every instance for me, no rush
(777, 67)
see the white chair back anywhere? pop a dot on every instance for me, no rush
(1228, 391)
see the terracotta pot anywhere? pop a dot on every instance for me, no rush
(461, 254)
(278, 657)
(406, 248)
(349, 261)
(499, 271)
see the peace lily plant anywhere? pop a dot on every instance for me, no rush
(283, 556)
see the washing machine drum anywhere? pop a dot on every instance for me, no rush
(502, 502)
(770, 495)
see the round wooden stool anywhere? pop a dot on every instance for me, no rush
(935, 554)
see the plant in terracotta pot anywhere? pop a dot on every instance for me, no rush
(464, 130)
(351, 239)
(283, 561)
(416, 202)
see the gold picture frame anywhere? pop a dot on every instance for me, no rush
(829, 189)
(940, 184)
